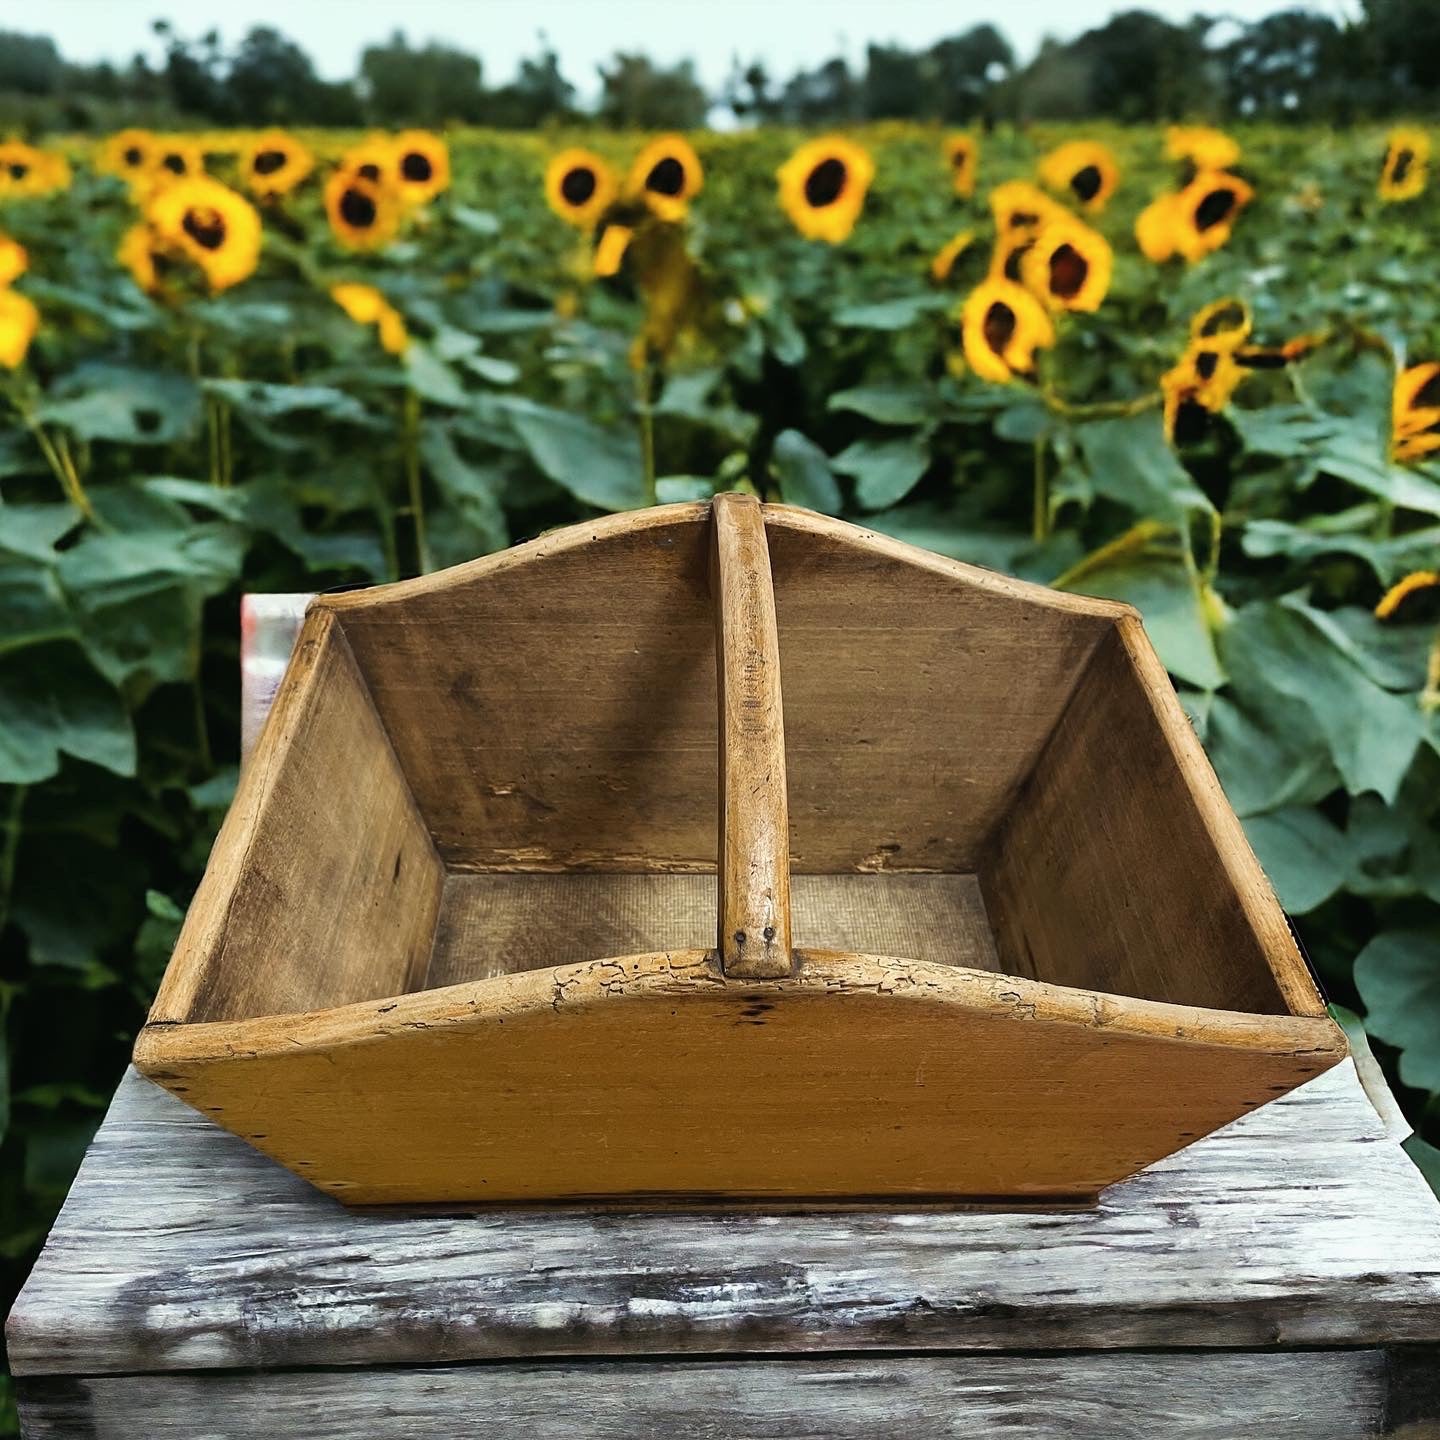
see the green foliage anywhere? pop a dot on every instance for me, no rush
(262, 441)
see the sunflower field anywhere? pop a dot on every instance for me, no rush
(1196, 371)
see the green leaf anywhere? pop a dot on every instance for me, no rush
(803, 470)
(34, 530)
(601, 467)
(1130, 462)
(431, 378)
(1398, 976)
(1264, 761)
(897, 314)
(53, 702)
(890, 403)
(884, 471)
(129, 406)
(1304, 855)
(280, 402)
(474, 489)
(1426, 1159)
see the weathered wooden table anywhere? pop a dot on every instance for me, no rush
(1280, 1278)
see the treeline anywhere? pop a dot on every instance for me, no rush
(1299, 64)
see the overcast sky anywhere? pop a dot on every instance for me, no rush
(786, 34)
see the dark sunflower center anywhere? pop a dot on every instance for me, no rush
(18, 169)
(267, 162)
(133, 156)
(1427, 397)
(369, 171)
(578, 185)
(1191, 422)
(416, 167)
(1404, 159)
(1206, 363)
(825, 183)
(174, 163)
(999, 326)
(1023, 220)
(1069, 270)
(357, 209)
(667, 177)
(206, 227)
(1232, 317)
(960, 159)
(1214, 209)
(1086, 182)
(1013, 261)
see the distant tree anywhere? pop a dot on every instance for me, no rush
(637, 94)
(749, 94)
(827, 95)
(420, 86)
(194, 73)
(896, 84)
(1401, 41)
(965, 71)
(1142, 67)
(1055, 85)
(29, 64)
(538, 95)
(1289, 65)
(270, 79)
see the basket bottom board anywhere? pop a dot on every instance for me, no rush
(500, 924)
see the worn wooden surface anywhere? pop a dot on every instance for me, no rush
(181, 1248)
(753, 855)
(1308, 1396)
(493, 924)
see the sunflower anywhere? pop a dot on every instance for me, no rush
(365, 305)
(1276, 357)
(1415, 412)
(136, 252)
(128, 154)
(1008, 255)
(1205, 212)
(1199, 386)
(422, 165)
(579, 186)
(1082, 169)
(364, 215)
(1224, 324)
(14, 260)
(945, 257)
(1204, 147)
(274, 163)
(19, 320)
(176, 159)
(610, 249)
(374, 160)
(1416, 583)
(1068, 266)
(1155, 229)
(667, 175)
(823, 185)
(1019, 205)
(27, 171)
(1407, 161)
(1001, 326)
(210, 224)
(962, 156)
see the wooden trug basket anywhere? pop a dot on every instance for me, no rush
(461, 938)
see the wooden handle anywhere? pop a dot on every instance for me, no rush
(754, 850)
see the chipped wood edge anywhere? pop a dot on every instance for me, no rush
(753, 845)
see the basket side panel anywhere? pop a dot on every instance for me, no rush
(866, 1078)
(323, 887)
(1121, 866)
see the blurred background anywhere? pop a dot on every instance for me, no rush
(1133, 302)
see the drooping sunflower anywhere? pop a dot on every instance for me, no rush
(1406, 166)
(137, 253)
(823, 186)
(1415, 412)
(14, 260)
(422, 165)
(19, 320)
(1398, 601)
(666, 175)
(579, 187)
(1205, 148)
(1001, 326)
(1068, 266)
(1199, 386)
(128, 154)
(1205, 212)
(27, 171)
(1224, 323)
(1276, 357)
(1008, 255)
(1155, 228)
(1019, 205)
(210, 224)
(610, 247)
(274, 163)
(364, 214)
(365, 305)
(962, 157)
(1083, 170)
(943, 261)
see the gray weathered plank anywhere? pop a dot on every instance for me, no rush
(1338, 1395)
(181, 1248)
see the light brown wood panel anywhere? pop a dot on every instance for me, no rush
(866, 1077)
(753, 867)
(1122, 868)
(323, 886)
(918, 693)
(554, 705)
(496, 924)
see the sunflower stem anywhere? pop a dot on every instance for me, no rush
(645, 410)
(1040, 515)
(411, 442)
(1101, 409)
(57, 457)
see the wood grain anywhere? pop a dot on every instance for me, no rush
(1121, 868)
(181, 1248)
(1337, 1395)
(871, 1077)
(497, 924)
(323, 885)
(753, 862)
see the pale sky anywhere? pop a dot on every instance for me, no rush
(786, 34)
